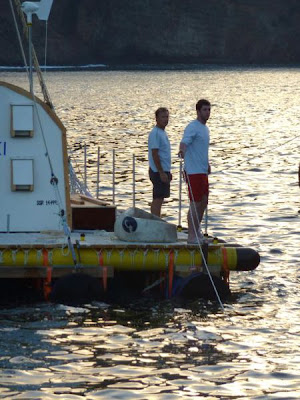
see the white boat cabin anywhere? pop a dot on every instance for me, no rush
(32, 151)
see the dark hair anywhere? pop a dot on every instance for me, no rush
(201, 103)
(160, 110)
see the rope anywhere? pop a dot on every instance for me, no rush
(63, 252)
(35, 60)
(199, 245)
(155, 283)
(54, 183)
(53, 180)
(19, 37)
(270, 150)
(46, 45)
(76, 185)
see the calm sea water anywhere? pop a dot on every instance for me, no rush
(150, 350)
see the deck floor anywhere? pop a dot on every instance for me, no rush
(91, 239)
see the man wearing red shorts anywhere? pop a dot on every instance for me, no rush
(194, 149)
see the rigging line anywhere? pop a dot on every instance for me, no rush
(19, 37)
(33, 96)
(43, 135)
(46, 46)
(54, 181)
(271, 149)
(18, 4)
(53, 176)
(200, 248)
(83, 188)
(47, 100)
(43, 86)
(54, 184)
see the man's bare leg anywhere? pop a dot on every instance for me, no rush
(156, 206)
(195, 215)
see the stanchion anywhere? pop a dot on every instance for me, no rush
(113, 176)
(179, 227)
(133, 181)
(84, 162)
(98, 172)
(48, 279)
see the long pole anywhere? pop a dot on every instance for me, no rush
(206, 221)
(113, 176)
(98, 172)
(179, 196)
(29, 25)
(133, 181)
(84, 162)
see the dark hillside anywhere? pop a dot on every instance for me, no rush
(162, 31)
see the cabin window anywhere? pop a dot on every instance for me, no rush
(21, 120)
(22, 175)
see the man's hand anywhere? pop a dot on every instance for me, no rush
(182, 150)
(164, 177)
(181, 154)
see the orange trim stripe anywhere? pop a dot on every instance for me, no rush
(225, 265)
(104, 271)
(171, 272)
(48, 279)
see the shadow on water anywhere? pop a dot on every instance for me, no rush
(125, 289)
(16, 292)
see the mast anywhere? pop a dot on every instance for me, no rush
(42, 83)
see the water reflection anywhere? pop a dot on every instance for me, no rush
(168, 350)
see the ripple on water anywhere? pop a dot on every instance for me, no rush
(177, 351)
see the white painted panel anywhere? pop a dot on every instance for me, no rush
(30, 210)
(22, 117)
(22, 174)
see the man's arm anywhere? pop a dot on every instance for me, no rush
(156, 159)
(182, 150)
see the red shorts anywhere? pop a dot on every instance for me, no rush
(198, 186)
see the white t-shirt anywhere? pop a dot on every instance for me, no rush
(158, 139)
(196, 138)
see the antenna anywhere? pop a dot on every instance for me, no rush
(29, 8)
(42, 10)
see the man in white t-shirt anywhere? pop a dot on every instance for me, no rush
(159, 155)
(194, 149)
